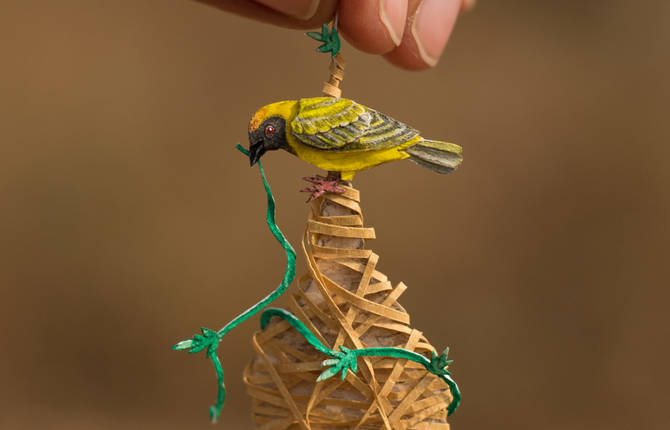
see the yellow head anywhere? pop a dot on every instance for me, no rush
(268, 128)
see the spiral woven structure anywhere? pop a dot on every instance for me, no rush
(343, 300)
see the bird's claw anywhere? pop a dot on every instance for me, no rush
(321, 186)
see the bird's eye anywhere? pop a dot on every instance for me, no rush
(269, 131)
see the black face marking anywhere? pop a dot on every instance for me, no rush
(270, 135)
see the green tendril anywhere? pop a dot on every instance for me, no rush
(210, 339)
(341, 361)
(346, 359)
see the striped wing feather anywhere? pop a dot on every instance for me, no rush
(344, 125)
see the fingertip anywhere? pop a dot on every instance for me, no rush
(468, 5)
(393, 15)
(300, 9)
(407, 58)
(325, 10)
(373, 26)
(428, 30)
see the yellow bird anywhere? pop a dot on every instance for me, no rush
(342, 137)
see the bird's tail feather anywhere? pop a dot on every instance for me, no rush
(440, 157)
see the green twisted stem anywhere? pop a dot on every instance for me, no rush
(346, 359)
(341, 361)
(210, 339)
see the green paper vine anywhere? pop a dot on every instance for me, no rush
(346, 359)
(340, 362)
(330, 39)
(210, 339)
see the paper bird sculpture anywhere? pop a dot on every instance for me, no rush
(342, 137)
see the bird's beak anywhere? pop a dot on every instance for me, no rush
(256, 151)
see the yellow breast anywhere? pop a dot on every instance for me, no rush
(348, 162)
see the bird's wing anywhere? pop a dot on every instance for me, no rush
(344, 125)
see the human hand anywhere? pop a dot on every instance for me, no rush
(409, 33)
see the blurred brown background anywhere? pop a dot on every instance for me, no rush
(128, 220)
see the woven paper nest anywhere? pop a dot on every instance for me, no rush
(343, 300)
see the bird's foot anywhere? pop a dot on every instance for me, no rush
(322, 185)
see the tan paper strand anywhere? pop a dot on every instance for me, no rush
(332, 87)
(344, 300)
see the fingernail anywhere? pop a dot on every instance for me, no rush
(301, 9)
(392, 14)
(433, 22)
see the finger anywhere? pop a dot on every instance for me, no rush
(428, 27)
(373, 26)
(301, 9)
(468, 5)
(303, 14)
